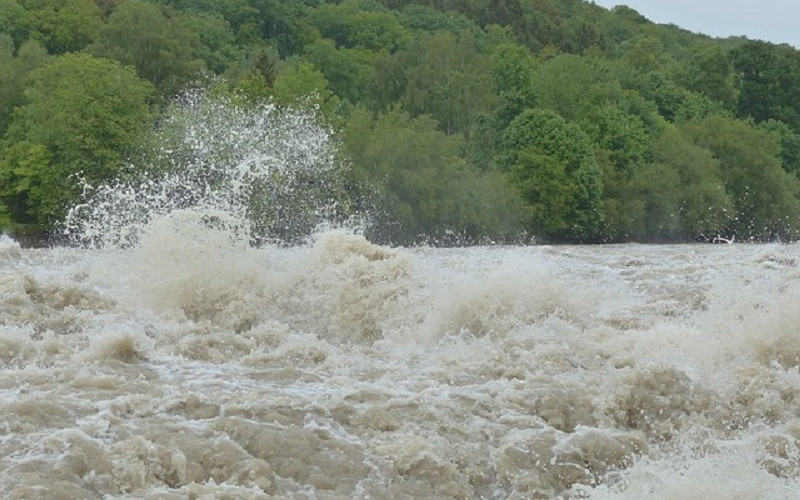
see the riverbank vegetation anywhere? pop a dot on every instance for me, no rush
(467, 121)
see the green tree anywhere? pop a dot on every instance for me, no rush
(253, 75)
(765, 196)
(705, 207)
(790, 144)
(278, 22)
(677, 196)
(426, 18)
(83, 116)
(644, 54)
(425, 189)
(294, 84)
(513, 72)
(64, 25)
(241, 15)
(573, 85)
(301, 85)
(534, 23)
(32, 191)
(553, 164)
(673, 102)
(584, 35)
(446, 77)
(254, 21)
(709, 71)
(13, 73)
(162, 48)
(619, 134)
(652, 208)
(217, 46)
(351, 72)
(5, 217)
(359, 23)
(769, 82)
(12, 21)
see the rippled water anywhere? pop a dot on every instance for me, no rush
(194, 367)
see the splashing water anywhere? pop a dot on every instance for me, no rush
(190, 367)
(263, 172)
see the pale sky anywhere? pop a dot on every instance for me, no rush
(776, 21)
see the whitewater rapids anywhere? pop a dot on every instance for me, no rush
(194, 367)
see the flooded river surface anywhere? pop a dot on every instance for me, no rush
(193, 367)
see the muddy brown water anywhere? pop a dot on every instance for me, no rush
(194, 368)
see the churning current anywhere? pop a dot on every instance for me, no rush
(193, 367)
(183, 357)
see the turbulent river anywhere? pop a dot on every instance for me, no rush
(192, 367)
(169, 352)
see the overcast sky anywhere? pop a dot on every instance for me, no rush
(776, 21)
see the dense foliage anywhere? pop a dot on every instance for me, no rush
(463, 121)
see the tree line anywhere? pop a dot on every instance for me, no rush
(465, 120)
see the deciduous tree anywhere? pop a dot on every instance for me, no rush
(553, 164)
(83, 116)
(64, 25)
(764, 194)
(162, 48)
(426, 190)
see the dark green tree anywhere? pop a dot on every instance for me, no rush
(425, 190)
(13, 73)
(359, 23)
(790, 144)
(705, 207)
(677, 195)
(217, 47)
(689, 180)
(254, 21)
(12, 21)
(426, 18)
(163, 48)
(709, 71)
(63, 25)
(769, 82)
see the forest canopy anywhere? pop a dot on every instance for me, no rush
(462, 121)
